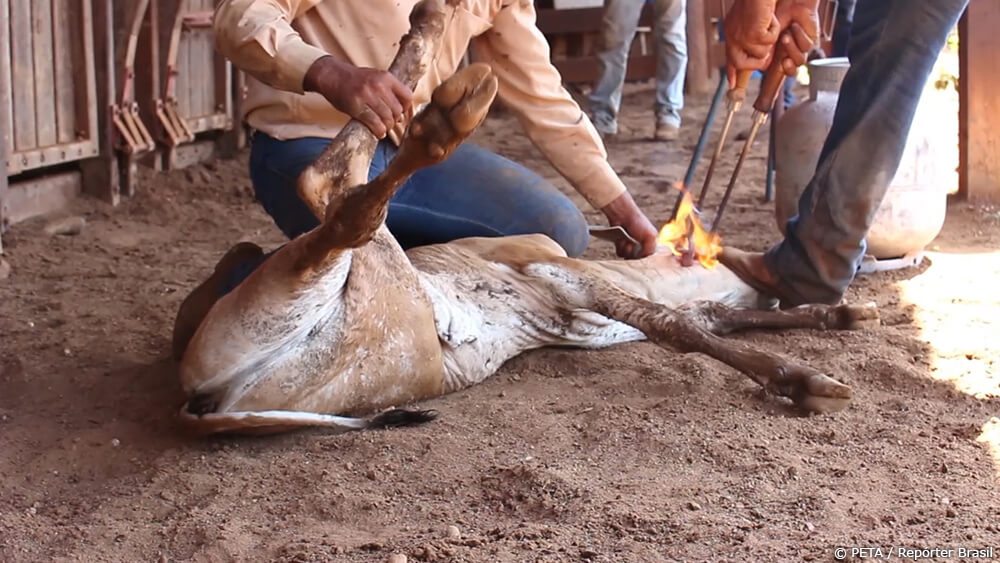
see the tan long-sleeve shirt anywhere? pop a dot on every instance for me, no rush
(276, 41)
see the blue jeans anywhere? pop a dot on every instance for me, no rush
(621, 18)
(892, 48)
(474, 193)
(842, 27)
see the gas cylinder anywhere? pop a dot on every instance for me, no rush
(913, 210)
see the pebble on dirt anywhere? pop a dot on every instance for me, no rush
(67, 226)
(452, 532)
(397, 558)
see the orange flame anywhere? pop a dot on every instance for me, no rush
(675, 234)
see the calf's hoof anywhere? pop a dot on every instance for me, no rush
(824, 395)
(815, 392)
(456, 108)
(854, 317)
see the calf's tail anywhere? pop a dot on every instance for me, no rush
(275, 421)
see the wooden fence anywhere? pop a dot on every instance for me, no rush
(89, 89)
(47, 96)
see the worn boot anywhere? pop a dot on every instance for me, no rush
(750, 267)
(668, 127)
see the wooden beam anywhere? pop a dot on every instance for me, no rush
(583, 70)
(44, 71)
(22, 77)
(699, 72)
(4, 205)
(571, 33)
(148, 76)
(559, 22)
(101, 176)
(6, 119)
(979, 106)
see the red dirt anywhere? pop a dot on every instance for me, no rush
(628, 454)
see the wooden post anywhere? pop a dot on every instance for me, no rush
(699, 71)
(5, 116)
(979, 107)
(3, 162)
(100, 174)
(148, 80)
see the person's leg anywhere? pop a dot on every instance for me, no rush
(275, 166)
(473, 193)
(842, 27)
(621, 17)
(894, 45)
(670, 29)
(477, 193)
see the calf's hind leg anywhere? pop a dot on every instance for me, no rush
(457, 107)
(695, 328)
(346, 160)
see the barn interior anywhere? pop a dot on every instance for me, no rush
(126, 179)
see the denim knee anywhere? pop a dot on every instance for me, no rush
(275, 167)
(568, 227)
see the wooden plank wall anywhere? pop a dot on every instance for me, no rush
(65, 84)
(699, 75)
(6, 117)
(22, 74)
(573, 34)
(43, 99)
(204, 87)
(46, 74)
(979, 106)
(101, 176)
(6, 108)
(61, 69)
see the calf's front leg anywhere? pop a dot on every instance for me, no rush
(695, 327)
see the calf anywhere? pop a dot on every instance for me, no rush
(341, 323)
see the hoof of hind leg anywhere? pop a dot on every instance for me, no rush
(855, 317)
(457, 107)
(821, 394)
(465, 98)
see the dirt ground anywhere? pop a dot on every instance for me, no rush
(627, 454)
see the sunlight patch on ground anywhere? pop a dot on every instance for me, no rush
(990, 436)
(957, 308)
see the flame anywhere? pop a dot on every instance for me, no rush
(675, 234)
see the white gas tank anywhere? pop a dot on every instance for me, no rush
(913, 210)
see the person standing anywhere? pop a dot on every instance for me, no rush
(892, 48)
(621, 19)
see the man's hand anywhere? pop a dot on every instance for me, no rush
(799, 22)
(373, 97)
(753, 27)
(623, 212)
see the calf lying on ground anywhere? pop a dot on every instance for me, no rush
(341, 322)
